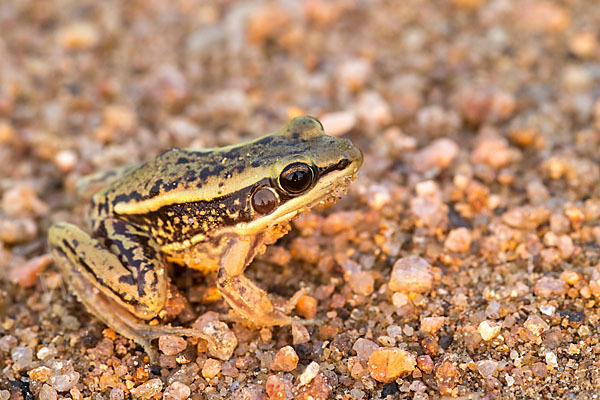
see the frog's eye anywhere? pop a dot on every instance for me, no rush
(296, 178)
(264, 200)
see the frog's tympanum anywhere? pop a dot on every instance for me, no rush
(208, 209)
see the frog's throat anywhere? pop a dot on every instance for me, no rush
(330, 187)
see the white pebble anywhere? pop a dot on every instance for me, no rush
(309, 373)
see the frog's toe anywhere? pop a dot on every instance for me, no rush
(260, 319)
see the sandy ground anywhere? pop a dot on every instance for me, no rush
(464, 260)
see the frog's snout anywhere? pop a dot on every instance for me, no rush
(353, 154)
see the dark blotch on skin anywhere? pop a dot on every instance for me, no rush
(189, 175)
(128, 279)
(155, 190)
(126, 197)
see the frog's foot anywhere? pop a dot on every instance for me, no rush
(128, 325)
(251, 304)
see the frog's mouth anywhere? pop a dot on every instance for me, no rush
(328, 189)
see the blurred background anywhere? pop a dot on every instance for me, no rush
(479, 122)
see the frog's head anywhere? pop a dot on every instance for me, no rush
(241, 189)
(303, 167)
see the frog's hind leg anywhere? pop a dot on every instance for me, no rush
(120, 260)
(120, 280)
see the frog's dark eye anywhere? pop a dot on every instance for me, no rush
(296, 178)
(264, 201)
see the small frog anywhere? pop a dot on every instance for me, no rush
(207, 209)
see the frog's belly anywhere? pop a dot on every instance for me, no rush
(202, 257)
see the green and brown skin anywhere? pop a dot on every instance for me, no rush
(202, 209)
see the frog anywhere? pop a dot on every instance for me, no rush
(211, 210)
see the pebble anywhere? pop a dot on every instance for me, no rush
(64, 382)
(168, 85)
(22, 357)
(286, 360)
(550, 287)
(7, 342)
(378, 196)
(492, 151)
(318, 388)
(221, 340)
(47, 392)
(27, 275)
(432, 324)
(7, 133)
(447, 375)
(487, 368)
(277, 388)
(338, 123)
(309, 373)
(523, 137)
(570, 277)
(41, 374)
(171, 344)
(540, 370)
(458, 240)
(307, 306)
(211, 368)
(278, 255)
(429, 209)
(354, 73)
(119, 117)
(361, 282)
(228, 369)
(525, 217)
(425, 363)
(14, 230)
(440, 154)
(488, 330)
(300, 334)
(364, 348)
(481, 104)
(542, 16)
(435, 121)
(45, 353)
(307, 249)
(147, 390)
(373, 109)
(519, 290)
(399, 299)
(22, 201)
(411, 274)
(66, 160)
(387, 364)
(536, 325)
(551, 359)
(417, 386)
(547, 310)
(584, 44)
(78, 36)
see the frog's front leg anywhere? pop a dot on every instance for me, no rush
(118, 275)
(245, 298)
